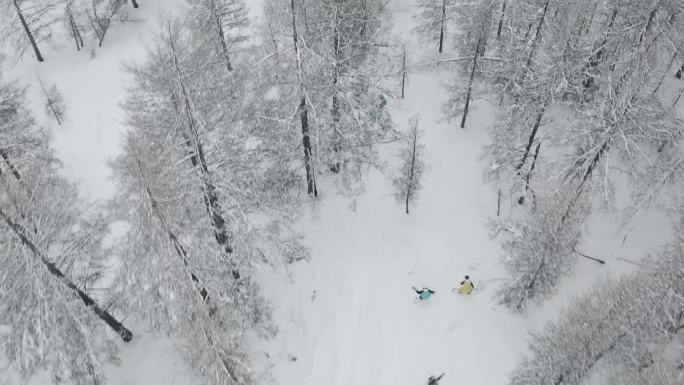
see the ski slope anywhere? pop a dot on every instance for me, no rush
(363, 326)
(348, 317)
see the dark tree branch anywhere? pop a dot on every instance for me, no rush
(104, 315)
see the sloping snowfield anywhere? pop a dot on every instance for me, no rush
(348, 317)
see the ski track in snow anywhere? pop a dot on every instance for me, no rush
(363, 326)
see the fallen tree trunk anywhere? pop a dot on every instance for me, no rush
(103, 314)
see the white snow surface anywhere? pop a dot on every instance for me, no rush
(93, 87)
(348, 317)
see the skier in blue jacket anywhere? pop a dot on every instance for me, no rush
(424, 293)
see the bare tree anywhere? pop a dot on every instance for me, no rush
(101, 15)
(475, 20)
(303, 112)
(54, 102)
(408, 180)
(340, 69)
(72, 24)
(35, 19)
(434, 19)
(219, 22)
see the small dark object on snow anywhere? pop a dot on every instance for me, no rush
(678, 74)
(292, 358)
(601, 261)
(435, 380)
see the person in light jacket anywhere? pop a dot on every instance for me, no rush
(467, 287)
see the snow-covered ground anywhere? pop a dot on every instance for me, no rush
(93, 83)
(348, 317)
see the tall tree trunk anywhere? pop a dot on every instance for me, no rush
(678, 97)
(210, 195)
(13, 170)
(595, 59)
(667, 69)
(498, 203)
(104, 27)
(51, 103)
(470, 81)
(591, 19)
(536, 41)
(29, 35)
(597, 157)
(647, 27)
(479, 51)
(180, 250)
(336, 135)
(75, 32)
(306, 142)
(221, 35)
(637, 55)
(529, 29)
(363, 29)
(411, 170)
(196, 282)
(441, 27)
(547, 101)
(501, 19)
(303, 112)
(534, 162)
(533, 135)
(103, 314)
(609, 30)
(15, 173)
(209, 192)
(403, 72)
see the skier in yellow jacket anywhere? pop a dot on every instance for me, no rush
(467, 287)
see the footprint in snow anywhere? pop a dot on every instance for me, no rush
(452, 326)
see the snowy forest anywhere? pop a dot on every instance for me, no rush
(244, 192)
